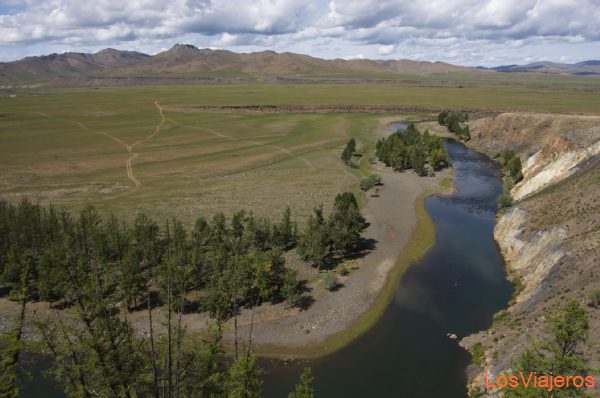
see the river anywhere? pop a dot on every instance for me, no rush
(455, 288)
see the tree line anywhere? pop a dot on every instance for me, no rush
(455, 122)
(423, 152)
(101, 268)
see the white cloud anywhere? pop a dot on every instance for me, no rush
(336, 28)
(385, 50)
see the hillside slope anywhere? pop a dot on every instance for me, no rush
(47, 67)
(72, 69)
(550, 238)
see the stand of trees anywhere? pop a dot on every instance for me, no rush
(413, 150)
(325, 240)
(97, 266)
(455, 122)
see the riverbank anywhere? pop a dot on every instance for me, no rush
(402, 231)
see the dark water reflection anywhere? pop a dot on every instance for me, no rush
(455, 288)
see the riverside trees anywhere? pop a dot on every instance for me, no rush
(102, 268)
(455, 122)
(413, 150)
(511, 168)
(338, 236)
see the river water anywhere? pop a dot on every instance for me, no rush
(455, 288)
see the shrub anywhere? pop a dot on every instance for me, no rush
(477, 354)
(366, 184)
(330, 281)
(594, 298)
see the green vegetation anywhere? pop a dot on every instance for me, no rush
(477, 354)
(104, 267)
(511, 169)
(55, 151)
(304, 389)
(594, 298)
(559, 353)
(455, 122)
(413, 150)
(330, 280)
(349, 151)
(511, 165)
(370, 182)
(326, 241)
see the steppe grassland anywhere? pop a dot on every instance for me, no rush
(63, 146)
(57, 149)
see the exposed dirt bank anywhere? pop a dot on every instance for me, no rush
(550, 238)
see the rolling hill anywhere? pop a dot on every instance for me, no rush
(585, 68)
(184, 63)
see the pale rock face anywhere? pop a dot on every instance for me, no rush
(551, 165)
(531, 259)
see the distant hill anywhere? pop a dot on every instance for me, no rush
(585, 68)
(186, 63)
(47, 67)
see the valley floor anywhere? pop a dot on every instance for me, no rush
(394, 215)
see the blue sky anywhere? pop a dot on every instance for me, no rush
(464, 32)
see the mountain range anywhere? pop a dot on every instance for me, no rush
(585, 68)
(184, 61)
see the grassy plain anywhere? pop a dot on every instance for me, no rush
(70, 146)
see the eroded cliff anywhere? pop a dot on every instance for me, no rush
(550, 237)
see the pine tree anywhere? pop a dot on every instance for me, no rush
(315, 243)
(243, 378)
(304, 389)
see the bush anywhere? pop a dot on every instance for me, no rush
(366, 184)
(594, 298)
(477, 354)
(504, 200)
(349, 151)
(376, 178)
(330, 281)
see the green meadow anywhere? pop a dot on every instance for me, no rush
(71, 146)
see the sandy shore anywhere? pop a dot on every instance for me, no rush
(392, 218)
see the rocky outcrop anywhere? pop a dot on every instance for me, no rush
(530, 258)
(556, 161)
(550, 237)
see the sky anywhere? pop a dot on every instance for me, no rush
(462, 32)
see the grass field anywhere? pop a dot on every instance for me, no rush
(71, 146)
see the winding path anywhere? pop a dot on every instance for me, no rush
(220, 135)
(128, 147)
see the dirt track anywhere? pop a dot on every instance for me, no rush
(128, 147)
